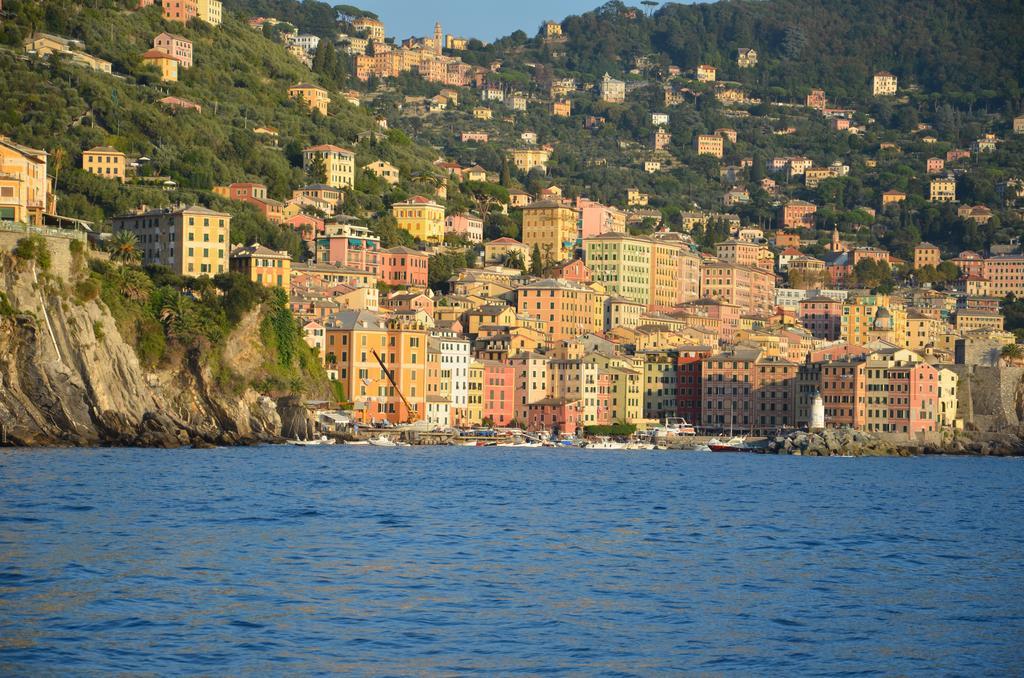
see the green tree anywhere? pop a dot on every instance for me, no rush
(536, 262)
(124, 248)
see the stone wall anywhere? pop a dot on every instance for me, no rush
(989, 398)
(59, 246)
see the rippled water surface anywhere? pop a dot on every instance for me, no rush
(450, 560)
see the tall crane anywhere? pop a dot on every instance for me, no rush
(391, 377)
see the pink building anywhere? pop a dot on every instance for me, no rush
(935, 165)
(409, 301)
(596, 219)
(352, 246)
(466, 225)
(480, 137)
(499, 392)
(403, 266)
(573, 271)
(798, 214)
(556, 415)
(822, 316)
(176, 46)
(307, 226)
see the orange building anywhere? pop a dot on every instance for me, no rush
(262, 265)
(798, 214)
(568, 309)
(927, 254)
(313, 96)
(710, 144)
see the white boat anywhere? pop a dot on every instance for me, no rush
(604, 443)
(382, 441)
(675, 426)
(637, 445)
(322, 440)
(522, 444)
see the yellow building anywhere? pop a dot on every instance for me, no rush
(384, 170)
(552, 29)
(372, 28)
(475, 400)
(44, 45)
(927, 254)
(943, 189)
(26, 193)
(314, 96)
(553, 227)
(525, 159)
(106, 162)
(263, 265)
(166, 63)
(883, 84)
(421, 218)
(710, 144)
(634, 198)
(209, 11)
(481, 113)
(192, 241)
(562, 108)
(706, 73)
(339, 164)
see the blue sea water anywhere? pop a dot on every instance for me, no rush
(284, 560)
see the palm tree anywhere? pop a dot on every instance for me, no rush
(124, 248)
(133, 284)
(1012, 353)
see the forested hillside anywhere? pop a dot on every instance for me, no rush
(239, 77)
(943, 46)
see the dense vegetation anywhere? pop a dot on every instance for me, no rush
(239, 77)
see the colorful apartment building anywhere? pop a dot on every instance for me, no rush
(567, 308)
(466, 225)
(175, 45)
(709, 144)
(26, 192)
(525, 159)
(421, 218)
(942, 189)
(798, 214)
(405, 267)
(106, 162)
(748, 391)
(262, 265)
(191, 241)
(339, 164)
(552, 227)
(497, 251)
(384, 170)
(926, 254)
(350, 245)
(883, 83)
(165, 63)
(313, 97)
(180, 10)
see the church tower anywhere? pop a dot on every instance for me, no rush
(438, 38)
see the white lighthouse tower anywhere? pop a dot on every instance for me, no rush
(817, 412)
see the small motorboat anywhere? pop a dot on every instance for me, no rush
(638, 445)
(322, 440)
(383, 441)
(522, 443)
(734, 444)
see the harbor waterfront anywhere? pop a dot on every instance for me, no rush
(287, 559)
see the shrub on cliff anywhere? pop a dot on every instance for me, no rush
(34, 248)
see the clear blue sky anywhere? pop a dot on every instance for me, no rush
(483, 19)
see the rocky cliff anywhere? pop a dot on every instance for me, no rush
(67, 377)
